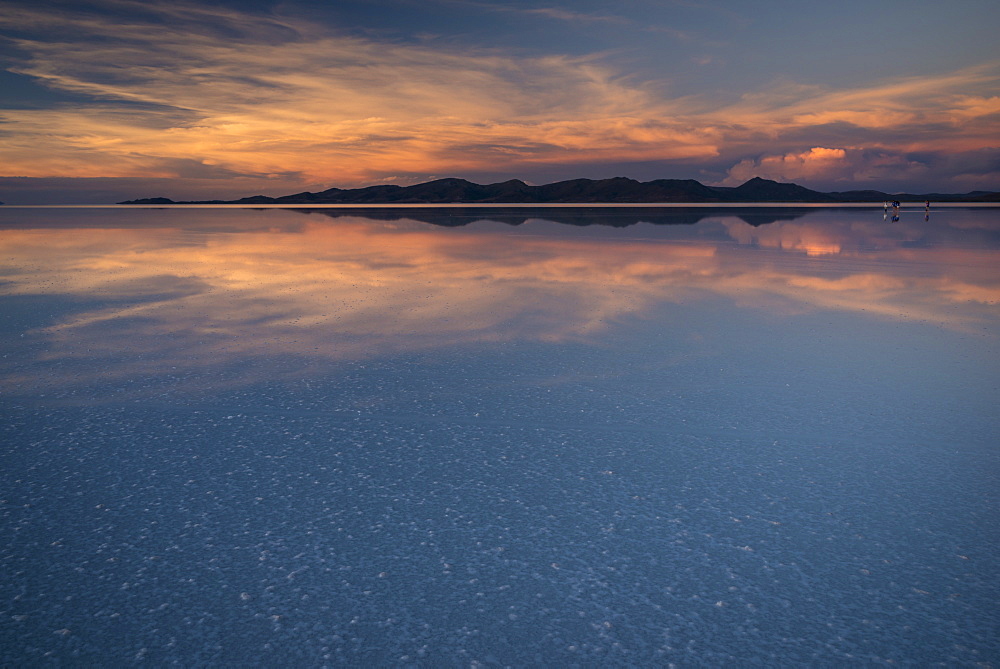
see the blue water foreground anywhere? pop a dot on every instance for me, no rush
(436, 438)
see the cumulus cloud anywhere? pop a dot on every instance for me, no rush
(894, 132)
(853, 168)
(816, 162)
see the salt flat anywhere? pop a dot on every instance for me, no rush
(273, 438)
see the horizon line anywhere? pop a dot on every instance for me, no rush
(513, 205)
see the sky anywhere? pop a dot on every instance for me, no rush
(107, 100)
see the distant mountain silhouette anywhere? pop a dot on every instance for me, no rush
(619, 190)
(765, 190)
(878, 196)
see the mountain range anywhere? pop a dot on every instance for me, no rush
(618, 190)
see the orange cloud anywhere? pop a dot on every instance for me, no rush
(960, 106)
(329, 106)
(279, 96)
(816, 162)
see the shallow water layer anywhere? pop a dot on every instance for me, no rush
(582, 437)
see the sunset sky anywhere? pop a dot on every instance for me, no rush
(114, 99)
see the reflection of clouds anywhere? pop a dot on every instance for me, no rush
(814, 240)
(356, 288)
(344, 291)
(873, 268)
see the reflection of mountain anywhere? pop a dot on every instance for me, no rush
(617, 217)
(618, 190)
(263, 293)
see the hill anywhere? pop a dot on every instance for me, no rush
(618, 190)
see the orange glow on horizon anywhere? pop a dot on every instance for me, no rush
(332, 109)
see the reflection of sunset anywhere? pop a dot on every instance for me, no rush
(397, 288)
(356, 288)
(815, 241)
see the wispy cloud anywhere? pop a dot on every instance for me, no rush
(550, 12)
(188, 88)
(587, 18)
(572, 16)
(330, 106)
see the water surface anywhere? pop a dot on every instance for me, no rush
(499, 437)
